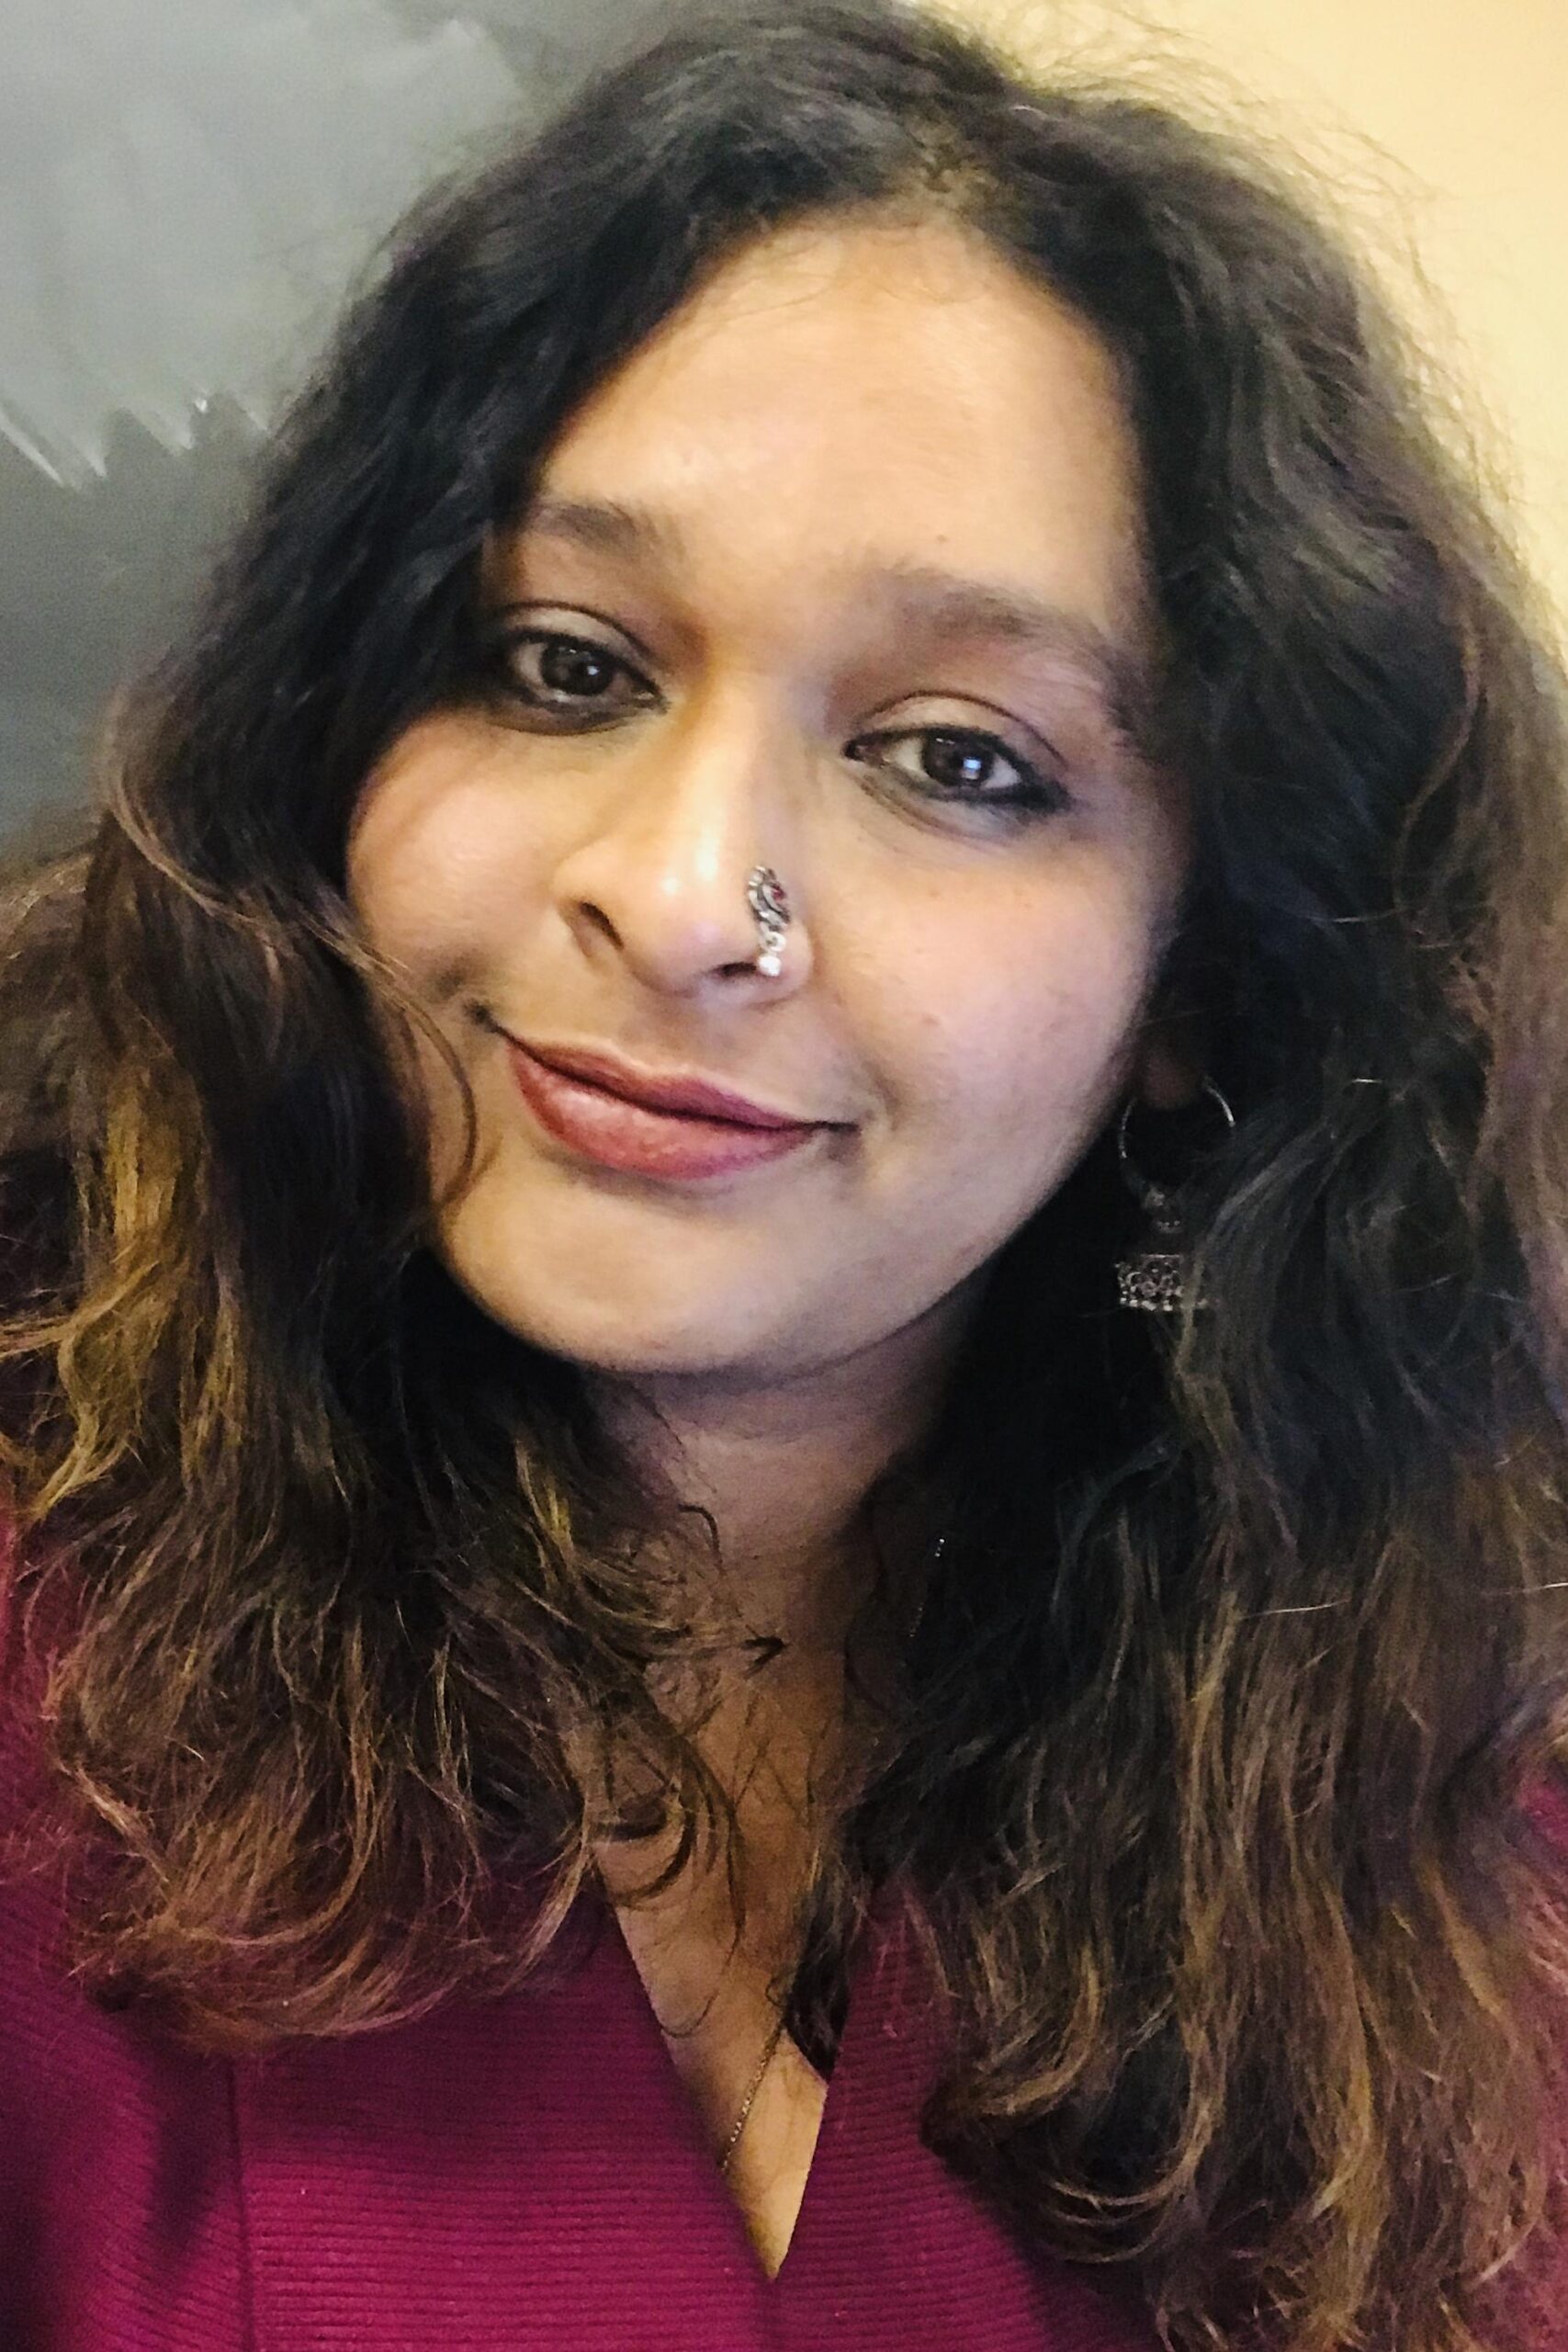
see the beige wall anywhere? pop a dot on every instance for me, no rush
(1442, 126)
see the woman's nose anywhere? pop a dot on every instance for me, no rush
(660, 879)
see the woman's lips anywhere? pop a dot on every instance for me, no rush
(618, 1134)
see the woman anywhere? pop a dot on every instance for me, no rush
(786, 1291)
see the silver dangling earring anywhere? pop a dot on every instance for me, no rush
(766, 897)
(1151, 1279)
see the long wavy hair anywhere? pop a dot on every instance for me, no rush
(1205, 1766)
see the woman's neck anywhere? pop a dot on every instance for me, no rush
(784, 1475)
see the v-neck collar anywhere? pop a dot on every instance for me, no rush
(880, 2013)
(889, 2247)
(530, 2172)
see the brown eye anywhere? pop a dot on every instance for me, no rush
(551, 671)
(964, 761)
(567, 667)
(968, 766)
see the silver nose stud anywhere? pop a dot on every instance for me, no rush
(766, 897)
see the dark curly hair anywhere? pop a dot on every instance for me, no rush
(1207, 1760)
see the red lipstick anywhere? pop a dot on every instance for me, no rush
(675, 1127)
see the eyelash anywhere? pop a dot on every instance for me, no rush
(1037, 793)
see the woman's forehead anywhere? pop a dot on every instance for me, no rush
(831, 394)
(947, 437)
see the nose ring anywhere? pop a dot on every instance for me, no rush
(766, 897)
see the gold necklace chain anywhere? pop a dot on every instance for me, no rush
(739, 2124)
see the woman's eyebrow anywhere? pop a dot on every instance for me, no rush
(915, 597)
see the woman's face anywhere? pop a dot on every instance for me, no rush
(842, 558)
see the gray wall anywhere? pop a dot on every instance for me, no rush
(186, 189)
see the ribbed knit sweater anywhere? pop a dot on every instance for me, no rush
(524, 2174)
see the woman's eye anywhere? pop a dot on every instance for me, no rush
(553, 671)
(966, 764)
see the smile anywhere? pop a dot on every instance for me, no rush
(606, 1128)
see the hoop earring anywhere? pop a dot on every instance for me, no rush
(1151, 1280)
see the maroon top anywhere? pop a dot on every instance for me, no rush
(520, 2174)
